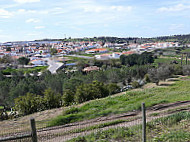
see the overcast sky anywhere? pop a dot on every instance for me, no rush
(38, 19)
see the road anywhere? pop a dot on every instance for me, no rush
(80, 56)
(53, 65)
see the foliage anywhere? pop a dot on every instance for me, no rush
(161, 73)
(6, 59)
(23, 60)
(186, 70)
(53, 51)
(68, 97)
(31, 103)
(91, 91)
(159, 130)
(135, 84)
(51, 99)
(112, 88)
(130, 101)
(28, 104)
(135, 59)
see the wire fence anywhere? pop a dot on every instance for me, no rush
(155, 124)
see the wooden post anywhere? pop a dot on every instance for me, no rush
(33, 128)
(143, 123)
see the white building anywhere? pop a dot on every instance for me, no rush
(38, 62)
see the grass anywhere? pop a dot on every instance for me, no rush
(38, 69)
(130, 101)
(74, 58)
(8, 71)
(167, 60)
(186, 50)
(172, 128)
(178, 109)
(88, 55)
(98, 126)
(1, 107)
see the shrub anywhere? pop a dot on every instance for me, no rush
(51, 99)
(28, 104)
(135, 84)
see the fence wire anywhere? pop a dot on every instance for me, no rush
(161, 126)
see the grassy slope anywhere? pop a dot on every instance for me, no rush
(174, 128)
(25, 70)
(130, 101)
(166, 59)
(186, 50)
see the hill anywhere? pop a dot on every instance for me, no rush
(118, 110)
(173, 38)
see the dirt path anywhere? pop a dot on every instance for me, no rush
(60, 133)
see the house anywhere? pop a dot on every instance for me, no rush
(116, 55)
(128, 52)
(1, 55)
(38, 62)
(97, 50)
(103, 56)
(91, 68)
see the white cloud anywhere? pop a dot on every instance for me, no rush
(121, 8)
(26, 1)
(178, 7)
(98, 8)
(39, 27)
(5, 14)
(176, 27)
(32, 20)
(20, 11)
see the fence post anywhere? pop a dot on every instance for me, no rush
(33, 128)
(143, 123)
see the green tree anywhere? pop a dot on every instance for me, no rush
(68, 97)
(51, 99)
(23, 60)
(112, 88)
(53, 51)
(28, 104)
(91, 91)
(153, 76)
(6, 59)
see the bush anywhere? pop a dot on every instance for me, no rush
(31, 103)
(186, 70)
(51, 100)
(86, 92)
(28, 104)
(146, 78)
(135, 84)
(67, 98)
(112, 88)
(70, 110)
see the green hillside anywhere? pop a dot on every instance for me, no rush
(173, 128)
(130, 101)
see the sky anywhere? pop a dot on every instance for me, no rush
(39, 19)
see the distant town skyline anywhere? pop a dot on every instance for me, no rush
(39, 19)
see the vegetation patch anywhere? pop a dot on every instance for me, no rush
(130, 101)
(173, 128)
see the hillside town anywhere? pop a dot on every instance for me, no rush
(38, 52)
